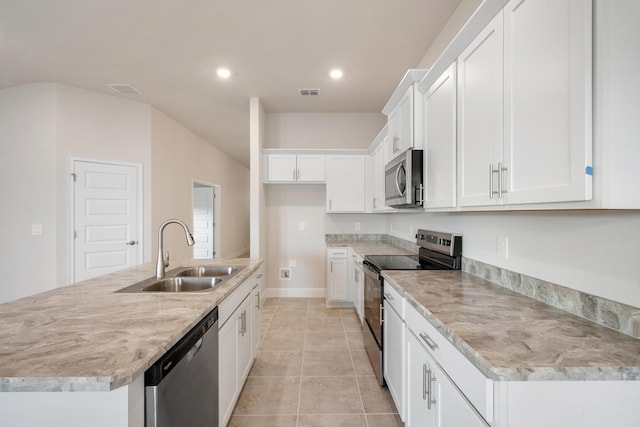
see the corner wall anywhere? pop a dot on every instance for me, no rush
(178, 156)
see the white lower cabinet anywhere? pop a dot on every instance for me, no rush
(239, 327)
(338, 290)
(394, 343)
(432, 398)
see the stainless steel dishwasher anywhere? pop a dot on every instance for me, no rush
(181, 388)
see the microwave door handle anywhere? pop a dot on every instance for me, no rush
(400, 192)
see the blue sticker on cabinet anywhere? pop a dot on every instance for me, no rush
(589, 170)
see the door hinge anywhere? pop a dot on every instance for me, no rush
(73, 176)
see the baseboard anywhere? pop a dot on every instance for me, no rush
(295, 293)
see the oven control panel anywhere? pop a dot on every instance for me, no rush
(446, 243)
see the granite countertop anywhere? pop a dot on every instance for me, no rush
(85, 337)
(511, 337)
(369, 247)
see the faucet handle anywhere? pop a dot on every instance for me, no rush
(166, 259)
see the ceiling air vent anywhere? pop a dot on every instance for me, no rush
(124, 89)
(309, 92)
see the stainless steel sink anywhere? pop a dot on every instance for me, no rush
(208, 271)
(183, 284)
(186, 279)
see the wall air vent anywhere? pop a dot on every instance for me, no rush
(124, 89)
(309, 92)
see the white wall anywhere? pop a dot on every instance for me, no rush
(27, 190)
(322, 130)
(257, 132)
(178, 156)
(596, 252)
(287, 206)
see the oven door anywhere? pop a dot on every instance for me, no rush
(373, 301)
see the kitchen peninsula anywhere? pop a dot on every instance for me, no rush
(75, 355)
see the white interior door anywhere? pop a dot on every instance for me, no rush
(203, 222)
(106, 217)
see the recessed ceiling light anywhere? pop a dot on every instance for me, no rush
(335, 73)
(223, 73)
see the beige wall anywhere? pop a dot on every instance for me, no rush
(27, 190)
(322, 130)
(93, 126)
(460, 16)
(178, 156)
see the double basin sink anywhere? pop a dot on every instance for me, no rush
(186, 279)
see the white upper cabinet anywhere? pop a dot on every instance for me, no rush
(439, 112)
(345, 183)
(547, 95)
(524, 106)
(307, 168)
(480, 116)
(400, 111)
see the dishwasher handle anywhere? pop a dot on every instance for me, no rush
(187, 347)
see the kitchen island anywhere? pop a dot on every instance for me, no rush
(76, 355)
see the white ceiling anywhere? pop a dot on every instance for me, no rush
(170, 49)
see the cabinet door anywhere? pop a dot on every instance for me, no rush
(345, 183)
(393, 129)
(453, 407)
(255, 331)
(440, 141)
(337, 280)
(405, 121)
(228, 384)
(311, 168)
(418, 413)
(547, 100)
(394, 360)
(245, 339)
(480, 116)
(281, 167)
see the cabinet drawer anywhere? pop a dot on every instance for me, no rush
(233, 301)
(395, 299)
(337, 252)
(477, 388)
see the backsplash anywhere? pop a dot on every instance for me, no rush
(614, 315)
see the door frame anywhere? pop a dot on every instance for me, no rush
(71, 207)
(217, 197)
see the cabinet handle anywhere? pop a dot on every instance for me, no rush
(258, 300)
(381, 315)
(491, 172)
(329, 204)
(424, 381)
(259, 276)
(501, 170)
(430, 379)
(430, 342)
(373, 202)
(388, 296)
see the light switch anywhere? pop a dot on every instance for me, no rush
(357, 226)
(301, 225)
(36, 229)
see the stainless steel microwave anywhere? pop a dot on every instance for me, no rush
(403, 180)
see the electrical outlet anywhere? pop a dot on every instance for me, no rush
(502, 246)
(36, 229)
(285, 274)
(357, 226)
(301, 225)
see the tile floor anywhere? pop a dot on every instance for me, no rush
(312, 370)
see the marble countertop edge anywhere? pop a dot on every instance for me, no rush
(543, 373)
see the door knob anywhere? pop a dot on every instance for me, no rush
(132, 242)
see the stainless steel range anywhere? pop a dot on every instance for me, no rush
(438, 251)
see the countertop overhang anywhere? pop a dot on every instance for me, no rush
(85, 337)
